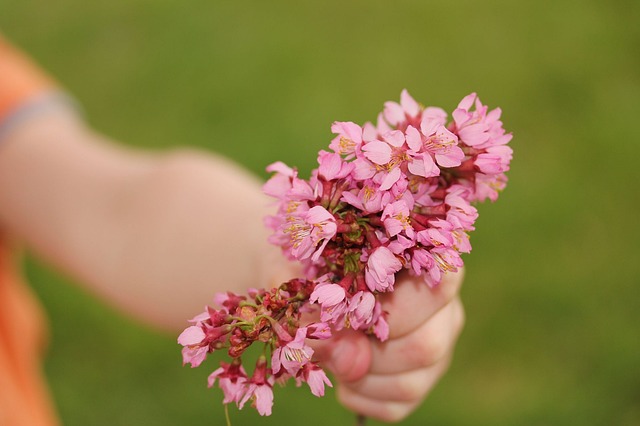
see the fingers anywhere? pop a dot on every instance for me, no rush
(423, 347)
(402, 387)
(404, 370)
(347, 355)
(413, 302)
(391, 398)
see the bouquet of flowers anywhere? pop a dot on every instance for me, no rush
(393, 196)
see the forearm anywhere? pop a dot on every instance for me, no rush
(156, 234)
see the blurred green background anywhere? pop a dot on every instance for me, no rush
(553, 333)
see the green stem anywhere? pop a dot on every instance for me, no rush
(226, 414)
(361, 420)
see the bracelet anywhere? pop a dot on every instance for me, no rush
(34, 107)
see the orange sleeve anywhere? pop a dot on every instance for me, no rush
(20, 79)
(24, 398)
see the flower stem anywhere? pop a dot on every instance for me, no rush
(226, 414)
(361, 420)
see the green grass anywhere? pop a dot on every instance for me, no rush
(552, 284)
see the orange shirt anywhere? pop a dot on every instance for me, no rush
(24, 399)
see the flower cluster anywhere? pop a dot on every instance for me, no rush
(393, 196)
(268, 316)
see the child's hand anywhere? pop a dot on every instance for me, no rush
(388, 380)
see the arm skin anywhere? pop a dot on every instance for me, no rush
(157, 234)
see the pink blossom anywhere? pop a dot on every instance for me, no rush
(422, 163)
(195, 348)
(191, 336)
(488, 164)
(332, 166)
(293, 355)
(194, 355)
(442, 143)
(279, 183)
(260, 388)
(315, 378)
(316, 226)
(461, 213)
(363, 169)
(421, 261)
(396, 219)
(367, 198)
(479, 128)
(461, 241)
(348, 140)
(319, 330)
(332, 299)
(380, 270)
(400, 244)
(232, 380)
(377, 152)
(380, 325)
(438, 235)
(489, 186)
(397, 114)
(446, 260)
(361, 309)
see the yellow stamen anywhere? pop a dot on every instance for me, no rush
(346, 145)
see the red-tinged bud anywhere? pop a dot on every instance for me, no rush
(247, 313)
(283, 335)
(217, 317)
(466, 166)
(238, 343)
(439, 210)
(327, 189)
(373, 239)
(361, 284)
(261, 371)
(215, 333)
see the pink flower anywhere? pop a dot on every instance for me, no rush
(489, 186)
(380, 325)
(380, 270)
(479, 128)
(332, 166)
(192, 335)
(421, 261)
(368, 198)
(260, 389)
(396, 114)
(318, 330)
(348, 140)
(195, 347)
(438, 235)
(388, 156)
(316, 226)
(315, 378)
(232, 380)
(194, 355)
(361, 309)
(332, 299)
(293, 355)
(441, 143)
(422, 163)
(445, 260)
(461, 213)
(396, 219)
(279, 183)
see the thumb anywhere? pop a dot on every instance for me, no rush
(347, 354)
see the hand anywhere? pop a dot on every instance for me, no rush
(388, 380)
